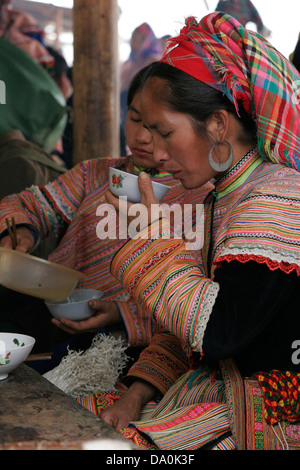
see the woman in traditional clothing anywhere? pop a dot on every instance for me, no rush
(67, 208)
(222, 105)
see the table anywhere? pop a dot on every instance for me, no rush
(36, 415)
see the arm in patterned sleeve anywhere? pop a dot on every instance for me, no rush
(166, 280)
(46, 209)
(161, 363)
(50, 208)
(138, 323)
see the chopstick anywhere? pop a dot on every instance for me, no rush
(39, 357)
(11, 227)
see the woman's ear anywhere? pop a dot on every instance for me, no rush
(218, 124)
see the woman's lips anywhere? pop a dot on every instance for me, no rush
(142, 152)
(175, 174)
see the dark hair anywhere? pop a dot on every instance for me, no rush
(60, 65)
(136, 84)
(186, 94)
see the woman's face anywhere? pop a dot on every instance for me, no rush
(176, 144)
(138, 138)
(137, 40)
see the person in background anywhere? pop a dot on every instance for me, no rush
(163, 41)
(245, 12)
(22, 30)
(62, 76)
(295, 56)
(67, 138)
(60, 72)
(145, 48)
(27, 68)
(211, 105)
(23, 164)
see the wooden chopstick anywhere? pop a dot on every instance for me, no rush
(39, 357)
(11, 227)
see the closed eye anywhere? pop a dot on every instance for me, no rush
(135, 119)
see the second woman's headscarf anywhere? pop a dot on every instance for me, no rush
(220, 52)
(148, 43)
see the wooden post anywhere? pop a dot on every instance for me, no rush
(95, 79)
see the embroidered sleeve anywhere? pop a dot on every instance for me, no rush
(49, 208)
(166, 280)
(265, 227)
(161, 363)
(138, 323)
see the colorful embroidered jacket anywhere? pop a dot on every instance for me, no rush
(251, 216)
(68, 207)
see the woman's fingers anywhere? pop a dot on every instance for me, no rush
(106, 314)
(146, 190)
(25, 240)
(112, 200)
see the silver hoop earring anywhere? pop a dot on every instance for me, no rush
(220, 167)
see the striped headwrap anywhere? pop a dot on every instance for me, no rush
(222, 53)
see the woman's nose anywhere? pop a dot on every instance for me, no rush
(144, 135)
(159, 154)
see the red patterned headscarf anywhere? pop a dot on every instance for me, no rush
(222, 53)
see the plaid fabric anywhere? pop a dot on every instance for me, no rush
(222, 53)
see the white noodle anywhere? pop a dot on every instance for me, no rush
(96, 369)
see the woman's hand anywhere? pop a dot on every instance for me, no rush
(145, 212)
(128, 407)
(25, 240)
(106, 314)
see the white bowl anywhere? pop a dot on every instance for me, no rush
(75, 307)
(122, 183)
(14, 348)
(36, 276)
